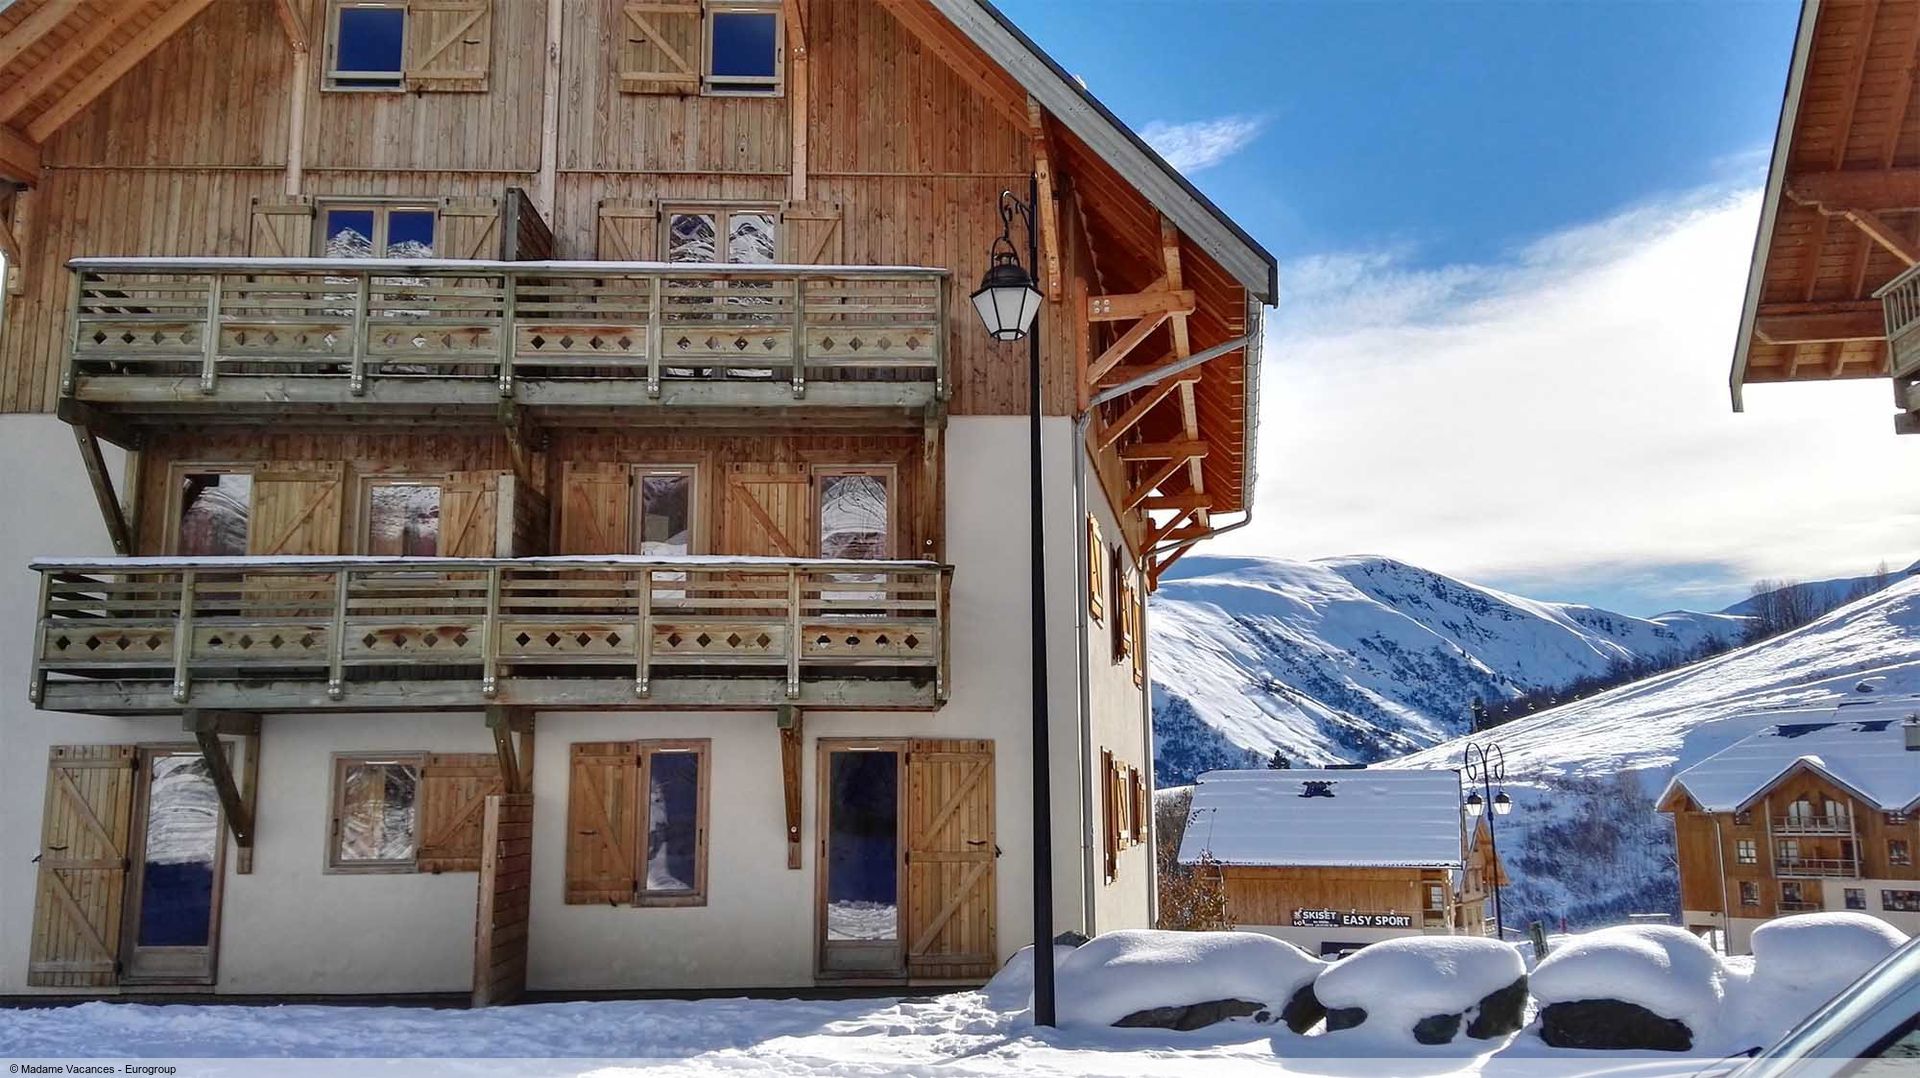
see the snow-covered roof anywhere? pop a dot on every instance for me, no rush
(1862, 750)
(1340, 817)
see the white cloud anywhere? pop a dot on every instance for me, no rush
(1562, 418)
(1191, 147)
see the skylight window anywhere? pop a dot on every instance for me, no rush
(368, 47)
(743, 48)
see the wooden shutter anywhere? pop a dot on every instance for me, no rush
(812, 234)
(596, 509)
(603, 822)
(627, 231)
(469, 228)
(1142, 805)
(657, 46)
(1137, 610)
(949, 920)
(1122, 620)
(1109, 818)
(86, 833)
(1096, 570)
(449, 45)
(280, 229)
(296, 512)
(767, 511)
(470, 524)
(452, 805)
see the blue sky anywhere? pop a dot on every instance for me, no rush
(1513, 238)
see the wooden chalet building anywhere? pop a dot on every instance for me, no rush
(1833, 291)
(1332, 860)
(1813, 812)
(546, 513)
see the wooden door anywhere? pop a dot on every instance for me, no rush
(296, 512)
(949, 919)
(596, 509)
(767, 510)
(860, 875)
(86, 834)
(470, 517)
(171, 926)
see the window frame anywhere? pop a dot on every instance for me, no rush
(722, 211)
(888, 475)
(696, 504)
(1097, 569)
(1849, 895)
(646, 749)
(1746, 851)
(177, 473)
(712, 85)
(331, 864)
(1904, 859)
(330, 74)
(363, 506)
(381, 208)
(1749, 893)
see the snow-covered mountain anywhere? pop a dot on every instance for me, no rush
(1365, 658)
(1585, 842)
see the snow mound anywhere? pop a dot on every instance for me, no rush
(1119, 973)
(1820, 952)
(1665, 969)
(1400, 981)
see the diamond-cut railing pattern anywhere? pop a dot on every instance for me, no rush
(355, 623)
(151, 330)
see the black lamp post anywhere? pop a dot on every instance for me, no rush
(1486, 764)
(1007, 303)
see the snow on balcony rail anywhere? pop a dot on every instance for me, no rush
(478, 630)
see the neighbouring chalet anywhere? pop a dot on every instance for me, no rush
(546, 513)
(1336, 859)
(1833, 290)
(1807, 814)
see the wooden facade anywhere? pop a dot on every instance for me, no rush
(1840, 226)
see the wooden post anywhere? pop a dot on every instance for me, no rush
(504, 722)
(798, 92)
(794, 593)
(249, 792)
(337, 638)
(792, 740)
(655, 288)
(490, 637)
(357, 372)
(799, 345)
(183, 639)
(544, 182)
(643, 639)
(507, 299)
(210, 343)
(37, 687)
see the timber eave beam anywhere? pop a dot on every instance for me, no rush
(1112, 432)
(1867, 189)
(19, 157)
(1797, 324)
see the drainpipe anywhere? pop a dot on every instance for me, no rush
(1088, 873)
(1726, 916)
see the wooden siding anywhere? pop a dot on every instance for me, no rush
(1266, 895)
(506, 888)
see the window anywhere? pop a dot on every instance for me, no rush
(1898, 853)
(366, 45)
(744, 53)
(674, 785)
(855, 512)
(1743, 819)
(1110, 812)
(1900, 901)
(1856, 898)
(376, 230)
(750, 233)
(1097, 569)
(375, 814)
(664, 505)
(1898, 819)
(1786, 851)
(1436, 897)
(1793, 896)
(1746, 852)
(1749, 893)
(1800, 810)
(402, 518)
(213, 512)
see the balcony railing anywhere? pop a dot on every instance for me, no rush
(1900, 302)
(1797, 905)
(1812, 825)
(154, 635)
(239, 335)
(1815, 867)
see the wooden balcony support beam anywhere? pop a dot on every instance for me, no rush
(1884, 234)
(111, 511)
(1046, 208)
(1146, 487)
(1122, 306)
(1182, 348)
(1112, 432)
(507, 724)
(1122, 348)
(1190, 500)
(790, 722)
(1157, 532)
(1180, 450)
(206, 728)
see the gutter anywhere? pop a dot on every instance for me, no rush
(1770, 207)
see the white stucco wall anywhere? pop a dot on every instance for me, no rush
(291, 928)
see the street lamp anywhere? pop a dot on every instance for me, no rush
(1007, 303)
(1486, 764)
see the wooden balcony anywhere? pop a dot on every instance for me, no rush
(160, 635)
(1804, 868)
(1900, 302)
(172, 341)
(1812, 825)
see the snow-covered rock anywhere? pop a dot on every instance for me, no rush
(1664, 971)
(1122, 973)
(1821, 952)
(1358, 659)
(1425, 987)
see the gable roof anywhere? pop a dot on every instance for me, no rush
(1365, 818)
(1863, 753)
